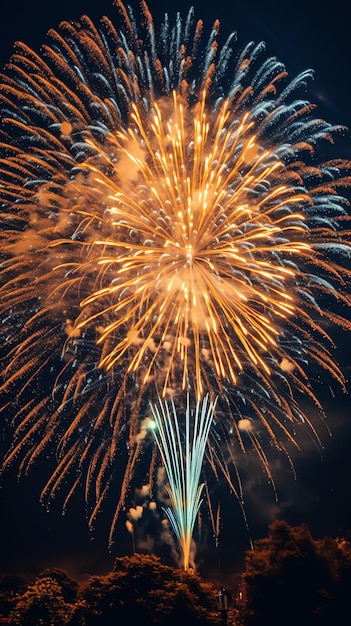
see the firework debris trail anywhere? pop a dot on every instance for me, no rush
(166, 231)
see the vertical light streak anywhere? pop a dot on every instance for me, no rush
(182, 442)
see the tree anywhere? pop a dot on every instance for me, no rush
(142, 590)
(69, 587)
(10, 586)
(42, 604)
(287, 579)
(336, 553)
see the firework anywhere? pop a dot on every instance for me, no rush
(182, 449)
(165, 229)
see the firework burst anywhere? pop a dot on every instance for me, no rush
(166, 228)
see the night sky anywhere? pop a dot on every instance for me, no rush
(302, 34)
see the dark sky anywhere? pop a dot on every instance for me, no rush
(302, 34)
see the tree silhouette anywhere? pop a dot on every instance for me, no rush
(69, 587)
(291, 578)
(10, 586)
(142, 590)
(42, 604)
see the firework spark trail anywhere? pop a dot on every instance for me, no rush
(165, 228)
(182, 448)
(197, 260)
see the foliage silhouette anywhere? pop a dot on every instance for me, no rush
(291, 577)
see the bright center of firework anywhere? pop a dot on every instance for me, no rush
(197, 244)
